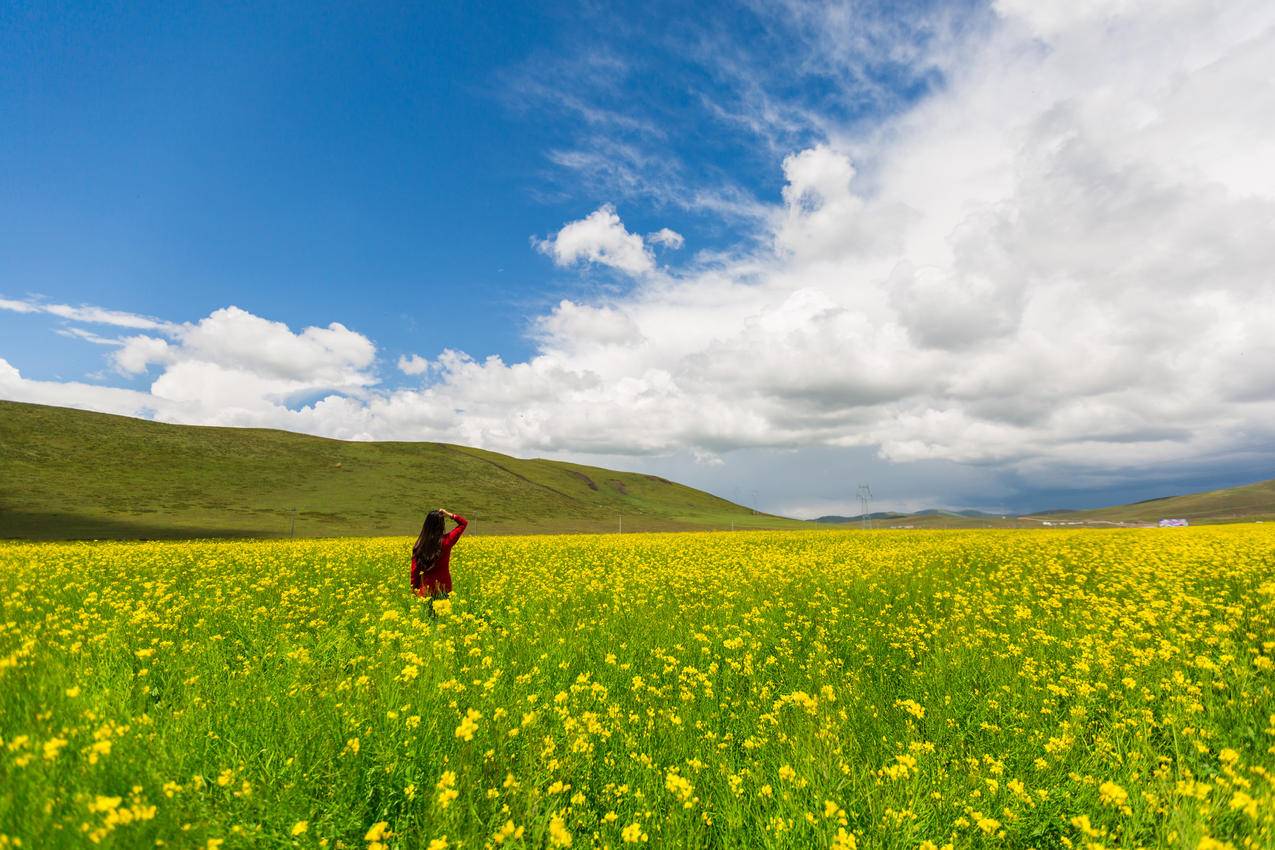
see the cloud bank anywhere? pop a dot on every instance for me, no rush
(1057, 264)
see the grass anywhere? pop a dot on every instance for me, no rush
(67, 474)
(748, 690)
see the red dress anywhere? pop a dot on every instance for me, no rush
(439, 579)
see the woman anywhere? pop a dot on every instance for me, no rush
(432, 555)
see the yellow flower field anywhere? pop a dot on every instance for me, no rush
(1087, 689)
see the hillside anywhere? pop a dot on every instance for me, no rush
(1234, 504)
(69, 474)
(1249, 503)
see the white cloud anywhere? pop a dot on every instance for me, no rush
(88, 336)
(137, 353)
(670, 239)
(15, 306)
(601, 238)
(1058, 262)
(413, 365)
(86, 313)
(231, 367)
(14, 387)
(585, 326)
(1058, 265)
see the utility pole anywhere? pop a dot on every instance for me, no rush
(865, 501)
(293, 532)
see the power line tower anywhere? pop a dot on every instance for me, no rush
(865, 502)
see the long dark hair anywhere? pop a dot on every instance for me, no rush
(427, 547)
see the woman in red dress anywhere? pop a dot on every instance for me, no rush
(432, 555)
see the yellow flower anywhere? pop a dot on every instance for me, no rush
(300, 826)
(1244, 803)
(377, 831)
(1207, 843)
(468, 725)
(632, 833)
(439, 843)
(680, 786)
(911, 706)
(1112, 794)
(53, 747)
(844, 840)
(559, 835)
(507, 832)
(447, 788)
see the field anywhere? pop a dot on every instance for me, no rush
(758, 689)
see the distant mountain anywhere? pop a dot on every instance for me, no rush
(890, 515)
(1250, 502)
(878, 515)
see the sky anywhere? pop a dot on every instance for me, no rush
(1009, 256)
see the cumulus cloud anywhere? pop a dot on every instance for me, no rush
(1054, 264)
(137, 353)
(334, 356)
(1058, 265)
(231, 367)
(600, 238)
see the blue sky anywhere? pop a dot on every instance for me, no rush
(875, 186)
(296, 162)
(308, 161)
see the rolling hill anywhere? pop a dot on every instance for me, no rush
(71, 474)
(1248, 503)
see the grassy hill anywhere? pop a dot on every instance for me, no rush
(1234, 504)
(1249, 503)
(68, 474)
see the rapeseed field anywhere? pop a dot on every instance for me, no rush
(1079, 689)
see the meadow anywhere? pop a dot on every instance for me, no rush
(1085, 689)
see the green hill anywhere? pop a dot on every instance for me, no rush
(68, 474)
(1234, 504)
(1249, 503)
